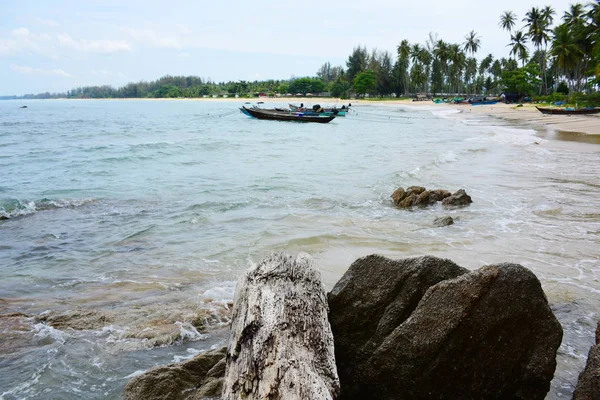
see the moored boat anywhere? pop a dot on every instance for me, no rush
(286, 116)
(568, 111)
(340, 112)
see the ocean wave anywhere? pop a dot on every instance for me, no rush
(10, 208)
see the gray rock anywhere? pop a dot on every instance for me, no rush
(426, 328)
(196, 379)
(459, 198)
(443, 221)
(281, 344)
(588, 386)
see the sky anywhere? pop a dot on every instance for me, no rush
(61, 44)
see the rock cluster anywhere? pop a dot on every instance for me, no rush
(420, 328)
(419, 196)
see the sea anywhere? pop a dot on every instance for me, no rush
(124, 225)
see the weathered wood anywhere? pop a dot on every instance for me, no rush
(281, 343)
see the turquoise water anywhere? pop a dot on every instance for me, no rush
(135, 218)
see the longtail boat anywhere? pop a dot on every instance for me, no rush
(569, 111)
(285, 116)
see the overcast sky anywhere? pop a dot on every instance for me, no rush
(61, 44)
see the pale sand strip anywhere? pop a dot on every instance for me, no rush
(588, 124)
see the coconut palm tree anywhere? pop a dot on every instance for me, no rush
(442, 52)
(564, 49)
(507, 21)
(518, 46)
(402, 64)
(472, 42)
(538, 23)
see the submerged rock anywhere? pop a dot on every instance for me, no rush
(588, 386)
(426, 328)
(443, 221)
(198, 378)
(459, 198)
(281, 344)
(420, 196)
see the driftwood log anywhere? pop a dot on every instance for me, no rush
(281, 344)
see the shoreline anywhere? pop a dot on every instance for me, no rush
(563, 126)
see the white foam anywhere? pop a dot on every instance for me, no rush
(45, 332)
(189, 332)
(224, 291)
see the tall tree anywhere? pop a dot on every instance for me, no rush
(357, 62)
(518, 46)
(538, 22)
(472, 42)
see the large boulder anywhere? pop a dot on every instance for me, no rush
(588, 386)
(281, 343)
(195, 379)
(425, 328)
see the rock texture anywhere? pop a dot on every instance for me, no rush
(420, 196)
(443, 221)
(196, 379)
(460, 198)
(588, 387)
(281, 345)
(426, 328)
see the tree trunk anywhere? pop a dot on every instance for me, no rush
(281, 343)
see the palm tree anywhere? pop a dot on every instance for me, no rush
(472, 43)
(403, 50)
(507, 21)
(518, 47)
(564, 49)
(442, 52)
(538, 23)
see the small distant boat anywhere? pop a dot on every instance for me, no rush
(23, 107)
(285, 116)
(569, 111)
(317, 109)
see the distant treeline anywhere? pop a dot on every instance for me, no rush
(186, 86)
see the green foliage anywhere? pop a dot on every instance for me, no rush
(365, 82)
(339, 88)
(522, 80)
(307, 85)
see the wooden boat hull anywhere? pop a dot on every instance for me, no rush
(283, 116)
(562, 111)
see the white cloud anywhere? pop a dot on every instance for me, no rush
(94, 46)
(8, 46)
(22, 40)
(20, 32)
(102, 72)
(47, 22)
(154, 39)
(37, 71)
(183, 55)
